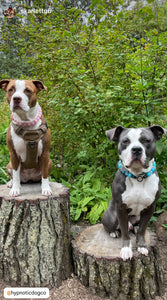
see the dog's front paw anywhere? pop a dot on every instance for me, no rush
(14, 192)
(46, 190)
(126, 253)
(142, 250)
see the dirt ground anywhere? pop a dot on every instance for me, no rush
(72, 289)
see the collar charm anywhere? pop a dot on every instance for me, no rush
(141, 176)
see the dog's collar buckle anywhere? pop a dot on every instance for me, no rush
(139, 178)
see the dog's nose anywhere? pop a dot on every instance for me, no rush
(137, 150)
(17, 100)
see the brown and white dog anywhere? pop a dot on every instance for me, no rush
(28, 137)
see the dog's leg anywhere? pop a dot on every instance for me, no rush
(10, 173)
(45, 165)
(144, 219)
(13, 169)
(110, 221)
(15, 190)
(126, 251)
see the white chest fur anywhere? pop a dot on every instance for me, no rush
(139, 195)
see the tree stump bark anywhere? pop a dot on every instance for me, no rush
(98, 265)
(35, 236)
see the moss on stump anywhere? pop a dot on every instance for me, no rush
(35, 236)
(98, 265)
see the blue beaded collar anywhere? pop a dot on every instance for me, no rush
(140, 177)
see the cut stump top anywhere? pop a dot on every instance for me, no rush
(95, 241)
(32, 192)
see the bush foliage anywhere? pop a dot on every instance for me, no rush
(108, 71)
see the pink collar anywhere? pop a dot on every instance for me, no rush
(27, 123)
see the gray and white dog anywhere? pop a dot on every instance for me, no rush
(136, 186)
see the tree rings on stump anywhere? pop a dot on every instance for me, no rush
(98, 265)
(35, 236)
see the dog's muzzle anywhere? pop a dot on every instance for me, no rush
(16, 102)
(137, 152)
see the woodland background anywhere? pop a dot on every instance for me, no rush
(104, 64)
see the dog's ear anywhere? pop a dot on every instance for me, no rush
(113, 134)
(4, 83)
(39, 85)
(158, 131)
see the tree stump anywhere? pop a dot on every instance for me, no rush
(35, 236)
(98, 265)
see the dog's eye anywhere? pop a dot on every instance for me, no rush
(11, 90)
(146, 140)
(125, 141)
(27, 91)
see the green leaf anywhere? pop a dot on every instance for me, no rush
(159, 147)
(85, 201)
(78, 214)
(159, 211)
(95, 213)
